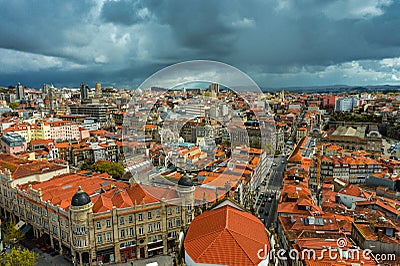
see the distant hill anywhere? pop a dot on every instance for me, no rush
(337, 89)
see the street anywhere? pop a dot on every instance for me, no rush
(267, 207)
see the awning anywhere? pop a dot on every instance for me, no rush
(26, 228)
(19, 225)
(151, 249)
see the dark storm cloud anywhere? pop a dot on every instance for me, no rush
(122, 12)
(286, 40)
(44, 27)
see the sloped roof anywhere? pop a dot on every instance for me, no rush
(226, 236)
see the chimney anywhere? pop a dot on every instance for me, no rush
(380, 234)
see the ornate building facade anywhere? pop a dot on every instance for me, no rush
(92, 218)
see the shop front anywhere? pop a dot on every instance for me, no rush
(128, 250)
(155, 248)
(106, 255)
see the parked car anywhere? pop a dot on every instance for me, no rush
(269, 199)
(261, 210)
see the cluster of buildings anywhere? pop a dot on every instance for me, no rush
(340, 185)
(197, 159)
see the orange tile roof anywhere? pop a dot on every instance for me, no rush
(22, 168)
(60, 189)
(225, 236)
(380, 204)
(355, 191)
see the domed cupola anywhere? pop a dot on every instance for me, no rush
(185, 181)
(80, 198)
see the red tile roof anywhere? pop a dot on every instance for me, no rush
(22, 168)
(226, 236)
(355, 191)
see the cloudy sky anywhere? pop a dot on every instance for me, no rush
(278, 43)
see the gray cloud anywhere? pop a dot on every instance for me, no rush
(286, 42)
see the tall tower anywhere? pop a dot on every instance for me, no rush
(98, 87)
(84, 91)
(186, 193)
(20, 92)
(214, 89)
(81, 229)
(282, 96)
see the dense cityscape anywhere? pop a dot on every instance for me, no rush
(200, 133)
(182, 174)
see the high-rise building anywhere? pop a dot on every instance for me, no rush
(20, 92)
(46, 88)
(84, 91)
(214, 87)
(346, 104)
(98, 87)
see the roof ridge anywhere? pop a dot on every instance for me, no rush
(215, 239)
(234, 231)
(244, 251)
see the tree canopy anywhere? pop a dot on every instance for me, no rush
(11, 234)
(115, 169)
(19, 256)
(13, 105)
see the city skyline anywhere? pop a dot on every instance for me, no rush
(278, 44)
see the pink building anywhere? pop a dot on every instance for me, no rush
(13, 143)
(63, 130)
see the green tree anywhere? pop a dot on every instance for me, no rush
(13, 105)
(114, 169)
(19, 256)
(12, 235)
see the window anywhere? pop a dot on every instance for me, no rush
(149, 215)
(140, 217)
(169, 223)
(189, 219)
(158, 226)
(169, 211)
(108, 223)
(98, 225)
(46, 225)
(122, 234)
(130, 219)
(55, 230)
(44, 212)
(158, 213)
(109, 238)
(189, 207)
(141, 232)
(150, 228)
(121, 220)
(99, 239)
(54, 217)
(131, 231)
(178, 209)
(178, 222)
(83, 230)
